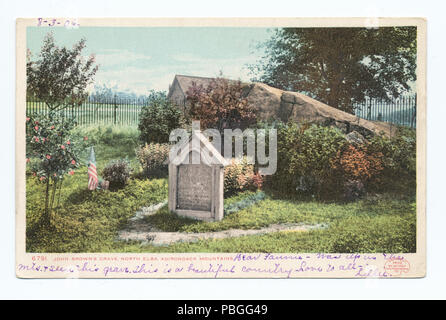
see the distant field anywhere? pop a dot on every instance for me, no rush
(96, 113)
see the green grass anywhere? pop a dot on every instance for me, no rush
(354, 235)
(110, 143)
(86, 221)
(384, 225)
(89, 221)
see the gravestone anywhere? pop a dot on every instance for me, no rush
(196, 189)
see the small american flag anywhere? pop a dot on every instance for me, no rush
(92, 174)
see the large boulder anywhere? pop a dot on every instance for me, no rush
(275, 104)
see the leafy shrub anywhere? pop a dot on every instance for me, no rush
(48, 140)
(152, 158)
(399, 160)
(158, 118)
(356, 166)
(117, 172)
(318, 160)
(304, 154)
(353, 189)
(240, 176)
(356, 163)
(220, 105)
(51, 152)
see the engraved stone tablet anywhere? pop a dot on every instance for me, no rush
(194, 187)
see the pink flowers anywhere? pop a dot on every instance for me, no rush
(36, 128)
(27, 160)
(36, 139)
(48, 156)
(68, 142)
(62, 147)
(27, 119)
(71, 172)
(42, 178)
(85, 138)
(52, 127)
(73, 162)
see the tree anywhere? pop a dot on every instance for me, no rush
(220, 105)
(340, 66)
(60, 76)
(158, 118)
(106, 93)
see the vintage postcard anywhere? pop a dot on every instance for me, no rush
(221, 148)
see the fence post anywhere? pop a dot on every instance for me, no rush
(414, 112)
(369, 110)
(114, 111)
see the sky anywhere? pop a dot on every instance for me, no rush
(139, 59)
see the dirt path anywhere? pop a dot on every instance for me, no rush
(138, 229)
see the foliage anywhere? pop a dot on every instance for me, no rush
(117, 172)
(240, 176)
(152, 158)
(317, 160)
(220, 105)
(106, 93)
(356, 164)
(356, 167)
(304, 156)
(158, 118)
(399, 160)
(353, 190)
(51, 153)
(60, 76)
(340, 66)
(87, 221)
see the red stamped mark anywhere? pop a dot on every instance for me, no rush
(397, 266)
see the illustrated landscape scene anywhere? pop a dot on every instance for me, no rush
(332, 110)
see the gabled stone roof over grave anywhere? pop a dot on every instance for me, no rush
(209, 155)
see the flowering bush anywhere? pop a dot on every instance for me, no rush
(152, 158)
(117, 172)
(356, 167)
(240, 176)
(51, 154)
(356, 163)
(47, 139)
